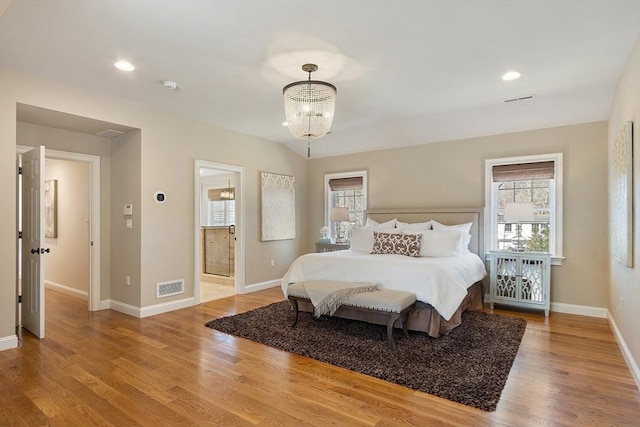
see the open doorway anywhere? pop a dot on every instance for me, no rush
(218, 228)
(67, 231)
(71, 238)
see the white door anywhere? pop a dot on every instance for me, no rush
(32, 240)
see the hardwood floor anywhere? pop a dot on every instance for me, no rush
(106, 368)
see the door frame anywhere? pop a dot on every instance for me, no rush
(239, 222)
(95, 246)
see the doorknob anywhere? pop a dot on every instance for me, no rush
(40, 251)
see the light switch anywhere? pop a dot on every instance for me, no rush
(129, 223)
(128, 210)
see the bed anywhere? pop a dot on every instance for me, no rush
(444, 286)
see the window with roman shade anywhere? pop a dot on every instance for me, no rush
(347, 189)
(532, 183)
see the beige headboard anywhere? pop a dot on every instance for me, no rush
(447, 216)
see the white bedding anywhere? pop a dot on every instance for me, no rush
(441, 282)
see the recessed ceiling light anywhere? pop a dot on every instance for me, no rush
(124, 66)
(511, 75)
(285, 123)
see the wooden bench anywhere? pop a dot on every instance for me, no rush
(394, 304)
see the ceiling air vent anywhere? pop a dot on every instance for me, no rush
(110, 133)
(172, 287)
(522, 98)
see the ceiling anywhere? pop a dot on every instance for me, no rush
(407, 72)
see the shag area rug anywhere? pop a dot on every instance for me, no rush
(470, 365)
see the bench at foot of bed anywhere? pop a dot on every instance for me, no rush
(394, 304)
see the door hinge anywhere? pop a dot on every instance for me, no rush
(19, 170)
(19, 234)
(19, 299)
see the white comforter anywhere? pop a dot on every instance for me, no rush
(441, 282)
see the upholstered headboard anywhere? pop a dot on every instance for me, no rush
(447, 216)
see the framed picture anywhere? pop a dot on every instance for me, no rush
(278, 202)
(622, 196)
(51, 208)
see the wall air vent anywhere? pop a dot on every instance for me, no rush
(172, 287)
(522, 98)
(110, 133)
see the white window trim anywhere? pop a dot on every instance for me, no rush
(327, 190)
(490, 210)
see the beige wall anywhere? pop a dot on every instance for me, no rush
(168, 147)
(68, 262)
(125, 242)
(624, 282)
(451, 174)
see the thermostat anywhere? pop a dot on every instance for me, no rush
(159, 197)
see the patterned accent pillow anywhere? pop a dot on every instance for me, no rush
(397, 244)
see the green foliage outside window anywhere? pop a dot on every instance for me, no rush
(538, 242)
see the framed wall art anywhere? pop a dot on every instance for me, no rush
(278, 203)
(51, 208)
(622, 196)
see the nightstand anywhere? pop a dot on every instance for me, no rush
(331, 247)
(521, 279)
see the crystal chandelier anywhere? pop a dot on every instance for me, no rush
(309, 106)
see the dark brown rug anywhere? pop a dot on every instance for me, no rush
(470, 365)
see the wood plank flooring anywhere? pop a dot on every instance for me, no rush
(109, 369)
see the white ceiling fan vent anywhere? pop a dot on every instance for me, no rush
(172, 287)
(110, 133)
(522, 98)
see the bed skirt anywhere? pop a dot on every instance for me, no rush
(423, 317)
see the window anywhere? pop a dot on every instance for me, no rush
(346, 190)
(222, 212)
(219, 208)
(535, 181)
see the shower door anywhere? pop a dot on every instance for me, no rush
(219, 250)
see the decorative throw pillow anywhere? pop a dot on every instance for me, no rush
(396, 244)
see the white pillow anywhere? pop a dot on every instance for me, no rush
(407, 227)
(445, 243)
(377, 225)
(459, 227)
(362, 238)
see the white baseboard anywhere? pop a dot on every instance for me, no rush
(582, 310)
(260, 286)
(626, 353)
(67, 290)
(122, 307)
(8, 342)
(105, 304)
(150, 310)
(166, 307)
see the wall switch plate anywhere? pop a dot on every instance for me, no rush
(129, 223)
(128, 210)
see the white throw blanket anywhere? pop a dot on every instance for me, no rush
(327, 297)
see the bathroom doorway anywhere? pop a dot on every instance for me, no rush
(218, 230)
